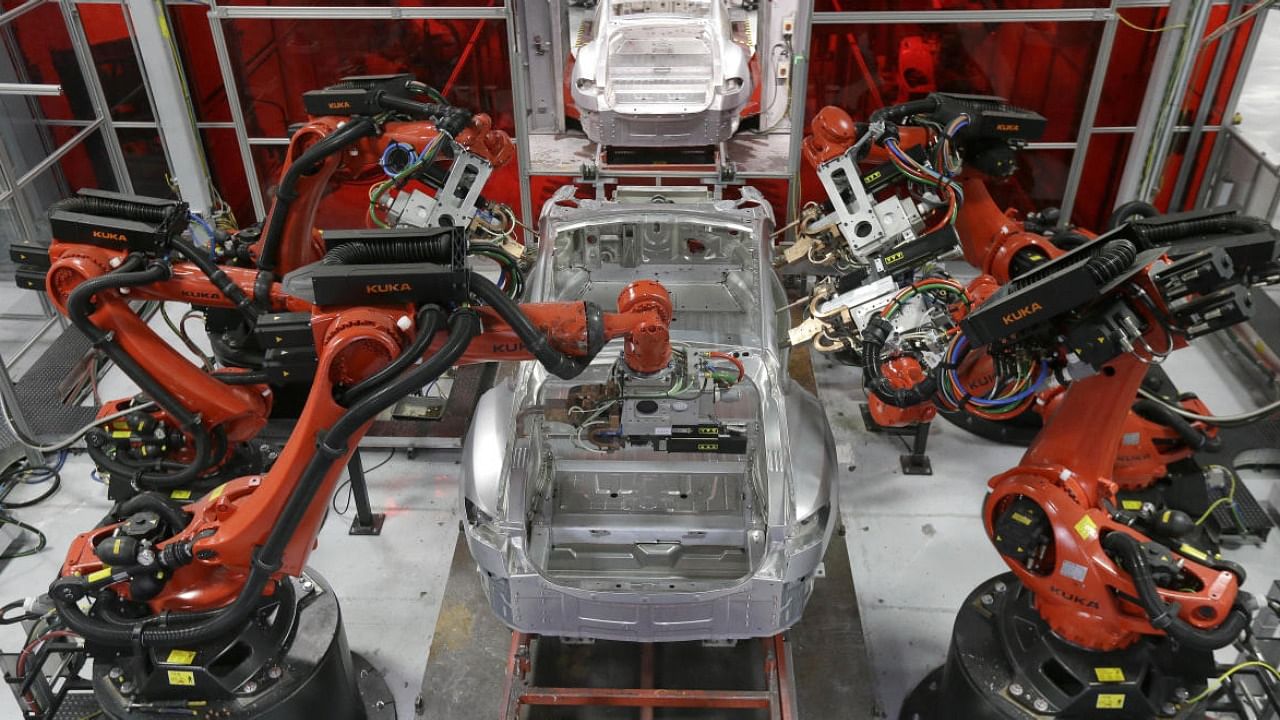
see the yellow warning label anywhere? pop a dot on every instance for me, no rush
(120, 434)
(217, 492)
(188, 678)
(180, 494)
(1109, 674)
(1111, 701)
(1021, 518)
(1086, 528)
(1193, 552)
(102, 574)
(1131, 504)
(181, 657)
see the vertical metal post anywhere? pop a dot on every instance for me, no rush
(520, 109)
(367, 522)
(1163, 101)
(1178, 197)
(1089, 116)
(170, 101)
(799, 96)
(80, 45)
(1229, 110)
(237, 112)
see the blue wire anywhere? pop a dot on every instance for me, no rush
(1042, 376)
(413, 157)
(213, 236)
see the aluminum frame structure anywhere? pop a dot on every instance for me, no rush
(538, 36)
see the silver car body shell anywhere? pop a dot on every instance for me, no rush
(661, 73)
(784, 540)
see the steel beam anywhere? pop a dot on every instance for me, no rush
(1220, 54)
(1163, 101)
(19, 182)
(520, 110)
(41, 89)
(937, 17)
(170, 102)
(303, 12)
(19, 11)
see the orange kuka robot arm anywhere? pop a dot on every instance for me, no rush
(249, 532)
(1098, 580)
(290, 238)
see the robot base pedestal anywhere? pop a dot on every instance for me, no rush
(291, 663)
(1006, 664)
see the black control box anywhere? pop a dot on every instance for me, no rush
(356, 95)
(165, 220)
(391, 284)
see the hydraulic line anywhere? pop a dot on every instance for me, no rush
(873, 339)
(66, 591)
(219, 278)
(429, 320)
(535, 341)
(79, 309)
(154, 502)
(1219, 420)
(1164, 616)
(1130, 210)
(306, 163)
(448, 119)
(1162, 415)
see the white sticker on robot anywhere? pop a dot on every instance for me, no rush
(1074, 571)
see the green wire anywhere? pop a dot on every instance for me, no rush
(426, 157)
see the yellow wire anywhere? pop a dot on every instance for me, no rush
(1231, 494)
(1120, 16)
(1223, 678)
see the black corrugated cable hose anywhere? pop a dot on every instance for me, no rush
(1165, 616)
(1161, 415)
(1129, 211)
(429, 320)
(1114, 258)
(896, 113)
(873, 339)
(1152, 235)
(332, 446)
(220, 280)
(452, 120)
(437, 248)
(79, 308)
(535, 341)
(305, 164)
